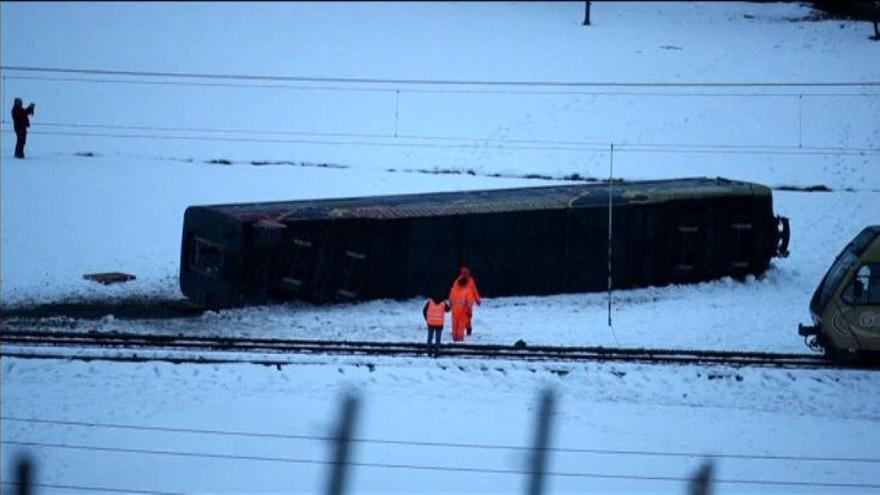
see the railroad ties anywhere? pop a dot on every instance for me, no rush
(203, 349)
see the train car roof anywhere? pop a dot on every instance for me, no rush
(490, 201)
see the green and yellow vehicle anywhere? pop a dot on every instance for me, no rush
(846, 306)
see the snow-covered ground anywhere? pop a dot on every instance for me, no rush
(131, 219)
(602, 407)
(113, 162)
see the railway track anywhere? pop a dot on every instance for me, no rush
(205, 349)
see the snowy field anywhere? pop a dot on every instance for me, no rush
(648, 409)
(114, 160)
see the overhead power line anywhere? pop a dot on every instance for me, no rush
(420, 443)
(480, 141)
(416, 141)
(269, 132)
(442, 82)
(93, 489)
(425, 467)
(391, 90)
(305, 141)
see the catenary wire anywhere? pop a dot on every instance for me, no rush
(99, 489)
(486, 139)
(419, 443)
(485, 144)
(441, 91)
(308, 141)
(423, 467)
(208, 130)
(437, 82)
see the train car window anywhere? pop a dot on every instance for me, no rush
(865, 286)
(206, 258)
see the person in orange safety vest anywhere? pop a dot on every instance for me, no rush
(462, 297)
(435, 313)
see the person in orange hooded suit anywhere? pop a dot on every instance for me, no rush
(462, 297)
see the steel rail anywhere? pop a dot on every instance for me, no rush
(189, 344)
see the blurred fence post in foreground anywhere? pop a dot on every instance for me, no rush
(24, 475)
(539, 446)
(342, 445)
(701, 483)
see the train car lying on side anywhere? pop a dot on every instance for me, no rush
(535, 240)
(846, 306)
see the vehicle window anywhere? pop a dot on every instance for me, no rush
(835, 275)
(841, 266)
(864, 288)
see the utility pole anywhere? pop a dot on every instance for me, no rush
(610, 237)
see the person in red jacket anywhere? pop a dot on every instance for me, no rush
(462, 297)
(435, 313)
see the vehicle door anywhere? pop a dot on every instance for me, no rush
(861, 301)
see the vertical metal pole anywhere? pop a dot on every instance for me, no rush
(542, 440)
(3, 112)
(610, 187)
(341, 446)
(586, 13)
(701, 483)
(24, 476)
(800, 121)
(396, 109)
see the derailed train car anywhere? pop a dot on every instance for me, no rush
(525, 241)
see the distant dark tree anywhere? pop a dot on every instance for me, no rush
(876, 36)
(587, 14)
(862, 10)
